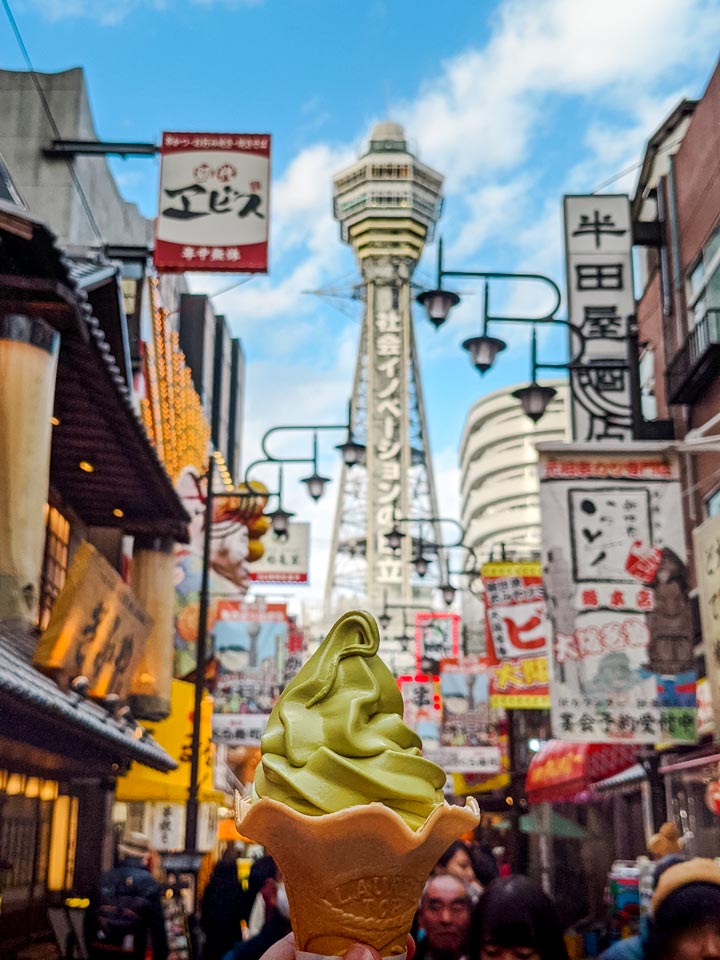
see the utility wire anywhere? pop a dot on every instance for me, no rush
(51, 119)
(635, 166)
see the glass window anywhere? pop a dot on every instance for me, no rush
(55, 562)
(712, 504)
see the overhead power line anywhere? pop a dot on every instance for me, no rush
(51, 119)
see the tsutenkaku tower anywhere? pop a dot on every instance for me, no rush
(387, 203)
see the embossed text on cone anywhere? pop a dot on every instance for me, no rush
(356, 875)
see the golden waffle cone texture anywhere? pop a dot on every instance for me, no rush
(356, 875)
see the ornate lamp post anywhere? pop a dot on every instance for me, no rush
(483, 349)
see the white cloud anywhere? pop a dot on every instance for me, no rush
(479, 115)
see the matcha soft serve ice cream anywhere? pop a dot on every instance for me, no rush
(336, 737)
(345, 802)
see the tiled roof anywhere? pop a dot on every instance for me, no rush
(20, 680)
(92, 395)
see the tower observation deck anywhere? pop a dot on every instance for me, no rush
(387, 204)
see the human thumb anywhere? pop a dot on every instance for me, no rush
(361, 951)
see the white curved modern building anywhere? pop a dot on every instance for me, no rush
(498, 472)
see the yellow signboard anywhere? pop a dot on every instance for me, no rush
(174, 734)
(97, 628)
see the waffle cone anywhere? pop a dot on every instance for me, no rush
(356, 875)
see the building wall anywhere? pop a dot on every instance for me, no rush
(697, 175)
(196, 327)
(499, 495)
(690, 193)
(237, 409)
(498, 471)
(46, 184)
(223, 370)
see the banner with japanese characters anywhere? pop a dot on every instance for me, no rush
(706, 548)
(97, 629)
(601, 304)
(214, 203)
(437, 637)
(250, 642)
(616, 582)
(422, 709)
(469, 737)
(286, 558)
(518, 632)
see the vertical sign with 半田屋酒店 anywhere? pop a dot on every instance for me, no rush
(601, 305)
(214, 203)
(616, 584)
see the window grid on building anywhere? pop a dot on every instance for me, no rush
(55, 562)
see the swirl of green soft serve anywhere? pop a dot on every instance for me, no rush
(336, 737)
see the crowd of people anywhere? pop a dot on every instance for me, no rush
(472, 908)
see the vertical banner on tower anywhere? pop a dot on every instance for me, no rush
(706, 544)
(437, 637)
(388, 465)
(214, 203)
(616, 583)
(251, 642)
(598, 244)
(518, 633)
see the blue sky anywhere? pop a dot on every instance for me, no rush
(515, 101)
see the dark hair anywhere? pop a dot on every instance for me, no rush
(447, 856)
(484, 864)
(692, 905)
(263, 869)
(514, 912)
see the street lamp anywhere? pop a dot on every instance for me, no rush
(448, 592)
(315, 483)
(351, 451)
(421, 562)
(394, 538)
(483, 349)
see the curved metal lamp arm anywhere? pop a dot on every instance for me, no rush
(436, 520)
(270, 458)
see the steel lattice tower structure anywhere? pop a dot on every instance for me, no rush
(387, 204)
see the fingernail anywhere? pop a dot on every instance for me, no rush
(360, 951)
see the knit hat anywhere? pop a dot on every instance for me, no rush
(686, 894)
(134, 844)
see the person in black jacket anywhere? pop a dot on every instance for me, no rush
(222, 907)
(125, 916)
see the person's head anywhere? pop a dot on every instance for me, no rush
(457, 862)
(515, 920)
(686, 912)
(444, 915)
(226, 867)
(485, 865)
(262, 870)
(135, 847)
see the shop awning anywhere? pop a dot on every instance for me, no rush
(96, 414)
(623, 782)
(36, 712)
(557, 826)
(174, 734)
(560, 771)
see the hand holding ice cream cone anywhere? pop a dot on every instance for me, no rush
(345, 802)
